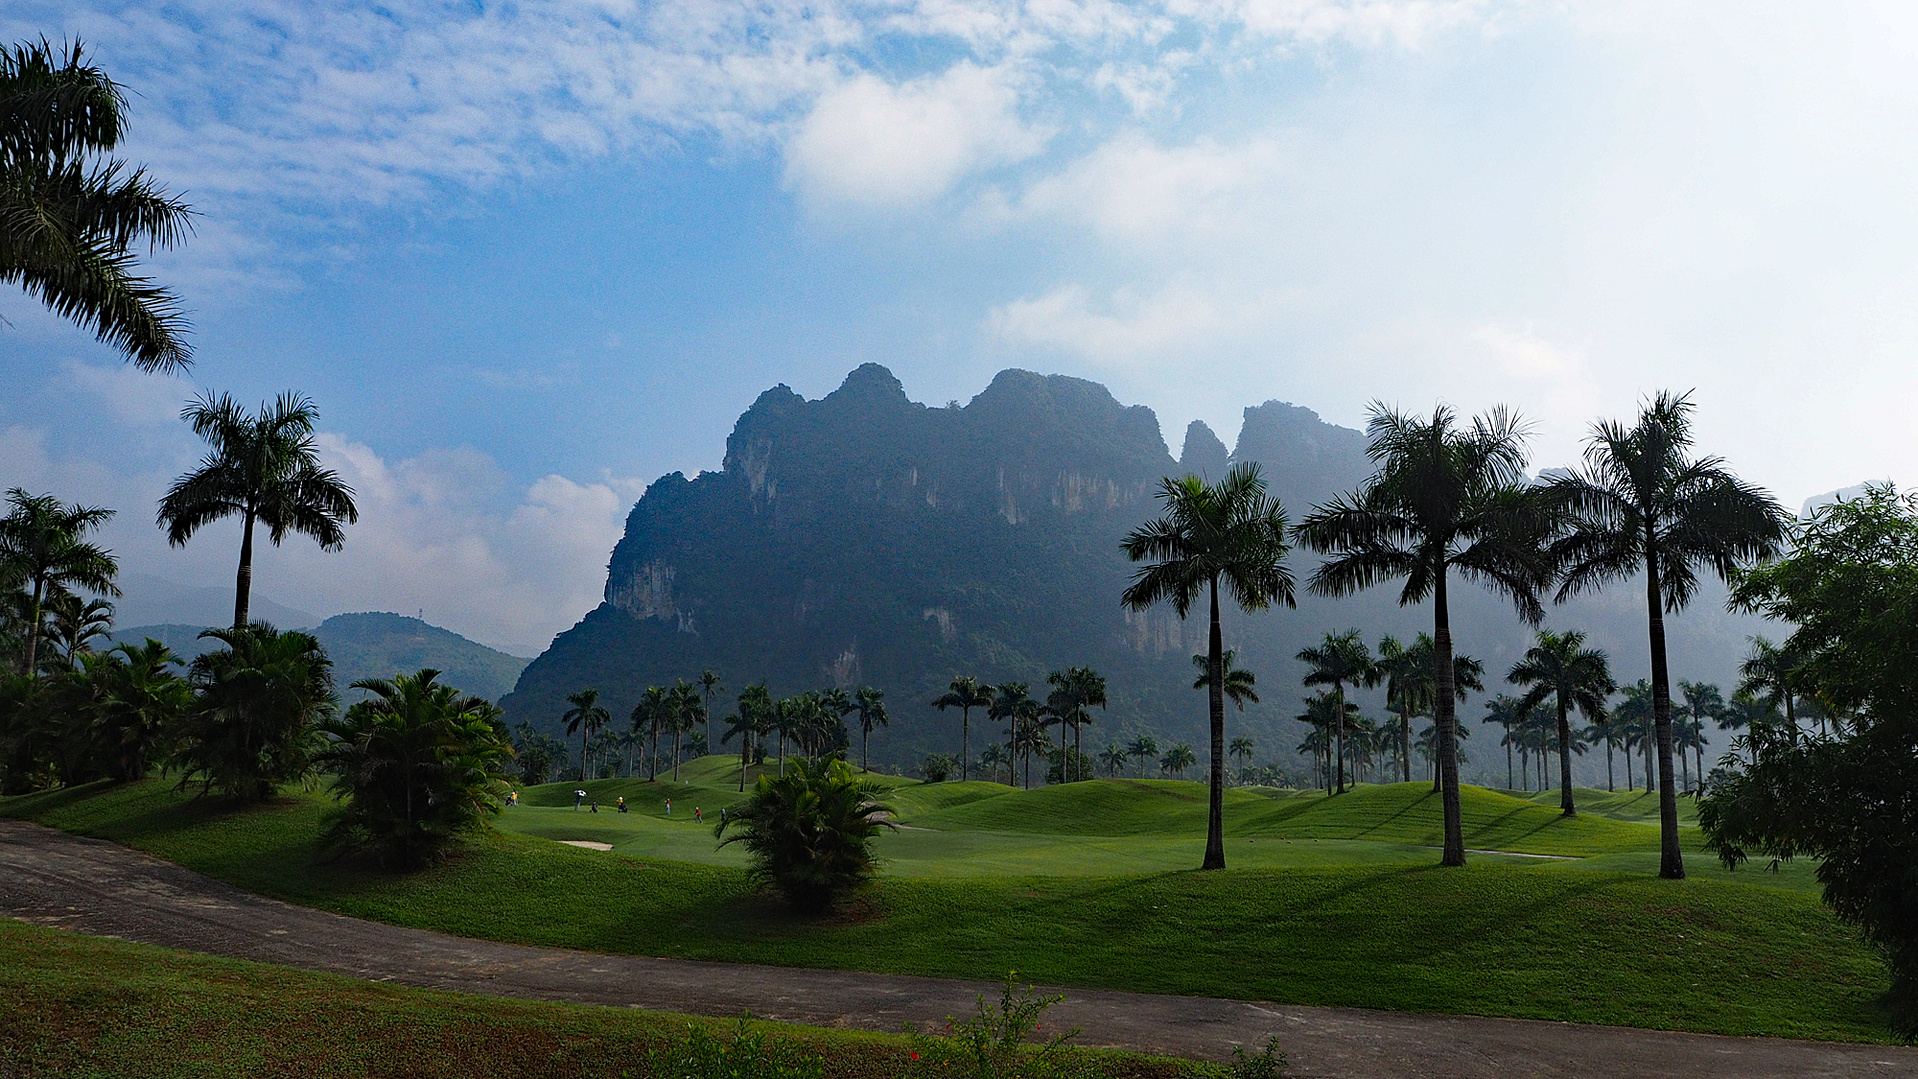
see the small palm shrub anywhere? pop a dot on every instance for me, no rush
(810, 832)
(416, 765)
(258, 703)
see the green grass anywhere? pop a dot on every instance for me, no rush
(1562, 940)
(85, 1006)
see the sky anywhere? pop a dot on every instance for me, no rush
(527, 257)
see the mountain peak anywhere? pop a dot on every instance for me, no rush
(1204, 455)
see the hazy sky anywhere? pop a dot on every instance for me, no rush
(529, 256)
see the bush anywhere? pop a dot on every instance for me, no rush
(417, 765)
(810, 832)
(745, 1056)
(995, 1043)
(255, 718)
(937, 767)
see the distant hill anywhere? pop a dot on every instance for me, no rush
(867, 538)
(378, 645)
(149, 600)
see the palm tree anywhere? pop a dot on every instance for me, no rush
(686, 712)
(994, 755)
(1507, 713)
(257, 706)
(1144, 748)
(1341, 658)
(1636, 728)
(752, 722)
(709, 683)
(586, 717)
(1322, 713)
(1643, 503)
(1240, 685)
(870, 703)
(266, 469)
(1241, 749)
(1604, 730)
(1767, 675)
(141, 698)
(965, 694)
(1074, 692)
(1444, 499)
(69, 221)
(810, 834)
(1029, 737)
(74, 623)
(1402, 669)
(1703, 701)
(1231, 531)
(1559, 666)
(1744, 712)
(1179, 758)
(1113, 757)
(43, 547)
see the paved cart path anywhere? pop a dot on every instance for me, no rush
(91, 886)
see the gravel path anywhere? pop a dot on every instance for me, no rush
(51, 878)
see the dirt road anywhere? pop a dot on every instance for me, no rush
(50, 878)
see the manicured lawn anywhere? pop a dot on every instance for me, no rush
(84, 1006)
(1545, 939)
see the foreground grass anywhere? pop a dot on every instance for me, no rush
(84, 1006)
(1553, 940)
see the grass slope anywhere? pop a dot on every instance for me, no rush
(85, 1006)
(1542, 940)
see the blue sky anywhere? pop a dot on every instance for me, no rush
(529, 256)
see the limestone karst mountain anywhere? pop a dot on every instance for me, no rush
(866, 538)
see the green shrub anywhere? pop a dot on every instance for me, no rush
(254, 720)
(996, 1043)
(810, 832)
(746, 1055)
(937, 767)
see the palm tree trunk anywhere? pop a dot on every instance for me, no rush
(653, 774)
(865, 746)
(965, 739)
(33, 626)
(1405, 742)
(1338, 690)
(1447, 721)
(1671, 861)
(677, 733)
(1565, 760)
(1215, 701)
(1611, 784)
(1509, 784)
(243, 590)
(745, 755)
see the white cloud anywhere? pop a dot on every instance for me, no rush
(129, 393)
(869, 143)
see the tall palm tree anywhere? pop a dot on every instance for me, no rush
(751, 723)
(1241, 750)
(1177, 760)
(1744, 712)
(1324, 714)
(1445, 499)
(1339, 659)
(1144, 748)
(709, 683)
(870, 703)
(71, 215)
(1644, 504)
(266, 469)
(1231, 531)
(1505, 711)
(1113, 756)
(687, 712)
(965, 693)
(586, 717)
(1014, 705)
(1604, 730)
(1241, 685)
(1703, 701)
(1401, 668)
(1075, 691)
(1560, 667)
(43, 548)
(1767, 674)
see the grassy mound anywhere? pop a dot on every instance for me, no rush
(1548, 940)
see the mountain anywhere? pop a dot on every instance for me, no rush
(864, 538)
(149, 600)
(377, 645)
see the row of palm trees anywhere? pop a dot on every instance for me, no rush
(1068, 705)
(1454, 500)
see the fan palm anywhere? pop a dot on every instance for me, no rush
(965, 693)
(1644, 504)
(265, 468)
(43, 547)
(870, 703)
(1445, 499)
(71, 216)
(585, 718)
(1231, 531)
(1560, 667)
(1339, 659)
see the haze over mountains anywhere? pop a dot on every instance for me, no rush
(864, 538)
